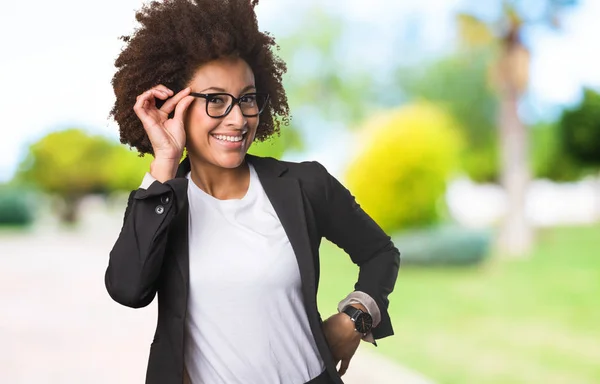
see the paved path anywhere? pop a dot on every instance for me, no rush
(58, 324)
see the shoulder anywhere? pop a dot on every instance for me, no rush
(304, 171)
(311, 175)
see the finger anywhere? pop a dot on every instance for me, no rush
(159, 93)
(170, 104)
(142, 103)
(146, 103)
(344, 366)
(182, 107)
(146, 100)
(163, 88)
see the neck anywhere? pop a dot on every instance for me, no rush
(221, 183)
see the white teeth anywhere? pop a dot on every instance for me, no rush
(229, 138)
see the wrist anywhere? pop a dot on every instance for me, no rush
(358, 306)
(358, 314)
(163, 169)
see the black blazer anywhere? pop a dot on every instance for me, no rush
(151, 253)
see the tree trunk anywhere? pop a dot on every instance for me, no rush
(69, 214)
(516, 235)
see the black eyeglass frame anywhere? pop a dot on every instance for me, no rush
(235, 100)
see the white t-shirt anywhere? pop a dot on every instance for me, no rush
(246, 321)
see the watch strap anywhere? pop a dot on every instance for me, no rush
(353, 312)
(356, 315)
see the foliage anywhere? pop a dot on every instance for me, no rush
(16, 206)
(566, 150)
(580, 130)
(316, 84)
(276, 146)
(443, 246)
(322, 88)
(72, 164)
(124, 169)
(401, 171)
(66, 163)
(549, 161)
(318, 76)
(459, 83)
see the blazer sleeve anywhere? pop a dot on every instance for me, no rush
(347, 225)
(136, 258)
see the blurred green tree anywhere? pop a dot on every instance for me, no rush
(71, 164)
(318, 77)
(580, 131)
(406, 157)
(580, 137)
(548, 157)
(17, 206)
(459, 83)
(288, 139)
(315, 81)
(510, 75)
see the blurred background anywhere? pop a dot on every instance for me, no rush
(469, 130)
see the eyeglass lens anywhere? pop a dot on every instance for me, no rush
(221, 104)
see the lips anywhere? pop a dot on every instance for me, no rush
(230, 138)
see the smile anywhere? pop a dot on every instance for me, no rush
(229, 138)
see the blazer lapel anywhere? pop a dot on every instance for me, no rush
(286, 197)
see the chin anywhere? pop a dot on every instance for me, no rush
(230, 160)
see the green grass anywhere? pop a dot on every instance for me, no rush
(531, 320)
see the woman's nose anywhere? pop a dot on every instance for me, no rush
(235, 117)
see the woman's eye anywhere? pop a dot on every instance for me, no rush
(248, 99)
(216, 100)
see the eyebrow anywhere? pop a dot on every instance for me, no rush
(246, 89)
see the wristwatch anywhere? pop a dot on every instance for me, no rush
(363, 322)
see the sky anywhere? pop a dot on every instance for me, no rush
(57, 57)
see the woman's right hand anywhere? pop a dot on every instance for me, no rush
(167, 136)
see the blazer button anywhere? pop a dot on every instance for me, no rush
(159, 209)
(165, 199)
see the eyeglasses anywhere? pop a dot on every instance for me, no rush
(220, 104)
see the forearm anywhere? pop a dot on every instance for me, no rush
(377, 278)
(136, 258)
(347, 225)
(133, 270)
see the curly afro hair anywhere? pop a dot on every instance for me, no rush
(176, 37)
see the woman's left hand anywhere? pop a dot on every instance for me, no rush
(343, 339)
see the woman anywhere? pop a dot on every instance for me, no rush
(229, 241)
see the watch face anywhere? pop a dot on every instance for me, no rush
(364, 323)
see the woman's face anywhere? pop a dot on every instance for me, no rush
(216, 141)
